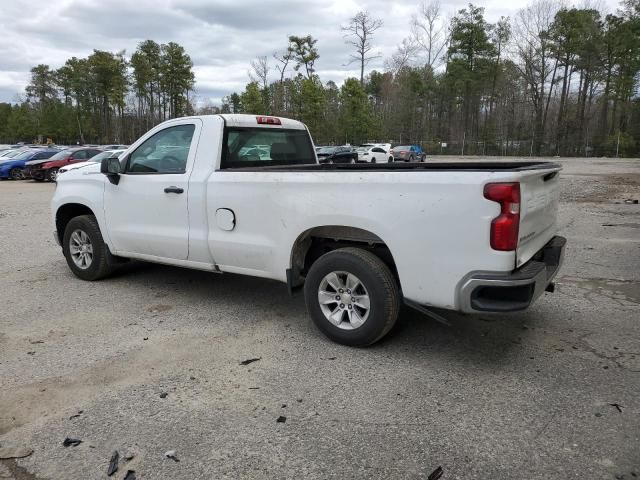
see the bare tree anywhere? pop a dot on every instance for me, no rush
(283, 60)
(429, 32)
(259, 72)
(403, 56)
(536, 61)
(358, 34)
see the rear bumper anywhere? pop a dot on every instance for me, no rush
(513, 291)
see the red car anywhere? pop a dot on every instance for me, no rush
(48, 170)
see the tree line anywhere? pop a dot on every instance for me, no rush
(553, 80)
(104, 98)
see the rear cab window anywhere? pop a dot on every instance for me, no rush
(262, 146)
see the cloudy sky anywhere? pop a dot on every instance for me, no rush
(222, 36)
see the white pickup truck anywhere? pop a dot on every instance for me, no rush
(361, 239)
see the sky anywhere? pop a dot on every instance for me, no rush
(221, 36)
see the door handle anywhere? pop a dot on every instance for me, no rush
(173, 190)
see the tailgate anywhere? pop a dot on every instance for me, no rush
(540, 195)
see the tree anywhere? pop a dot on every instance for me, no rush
(356, 119)
(429, 32)
(303, 51)
(359, 32)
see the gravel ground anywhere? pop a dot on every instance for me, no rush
(550, 393)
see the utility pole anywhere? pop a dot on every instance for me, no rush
(618, 144)
(464, 137)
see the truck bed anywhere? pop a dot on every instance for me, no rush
(402, 166)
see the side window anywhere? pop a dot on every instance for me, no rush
(80, 155)
(377, 150)
(165, 152)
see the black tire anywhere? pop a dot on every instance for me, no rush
(373, 160)
(379, 283)
(16, 173)
(52, 174)
(390, 159)
(102, 263)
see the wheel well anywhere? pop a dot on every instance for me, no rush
(66, 212)
(317, 241)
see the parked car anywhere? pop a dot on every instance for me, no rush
(41, 170)
(407, 153)
(352, 236)
(13, 167)
(375, 154)
(95, 159)
(343, 154)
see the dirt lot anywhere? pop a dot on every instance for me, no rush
(550, 393)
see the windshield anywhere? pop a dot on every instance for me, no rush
(108, 154)
(327, 150)
(257, 147)
(61, 155)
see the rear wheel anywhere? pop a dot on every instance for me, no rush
(87, 255)
(373, 160)
(390, 159)
(352, 296)
(16, 173)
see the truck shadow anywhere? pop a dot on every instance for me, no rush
(482, 339)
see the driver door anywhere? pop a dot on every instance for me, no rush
(146, 212)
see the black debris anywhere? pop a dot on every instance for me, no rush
(284, 405)
(598, 414)
(145, 338)
(71, 442)
(164, 395)
(330, 358)
(250, 360)
(76, 415)
(33, 342)
(192, 377)
(436, 474)
(131, 475)
(617, 406)
(281, 419)
(31, 353)
(299, 400)
(113, 463)
(254, 388)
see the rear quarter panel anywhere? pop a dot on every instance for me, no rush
(436, 224)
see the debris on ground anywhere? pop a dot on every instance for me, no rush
(250, 360)
(76, 415)
(113, 463)
(131, 475)
(163, 395)
(284, 405)
(7, 453)
(629, 201)
(281, 419)
(436, 474)
(172, 455)
(34, 342)
(71, 442)
(329, 358)
(31, 353)
(617, 406)
(130, 455)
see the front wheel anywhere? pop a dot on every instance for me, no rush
(87, 255)
(16, 173)
(352, 296)
(52, 174)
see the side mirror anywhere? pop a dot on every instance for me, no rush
(111, 168)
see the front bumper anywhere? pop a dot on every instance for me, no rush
(513, 291)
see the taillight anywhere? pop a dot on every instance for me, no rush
(504, 228)
(268, 121)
